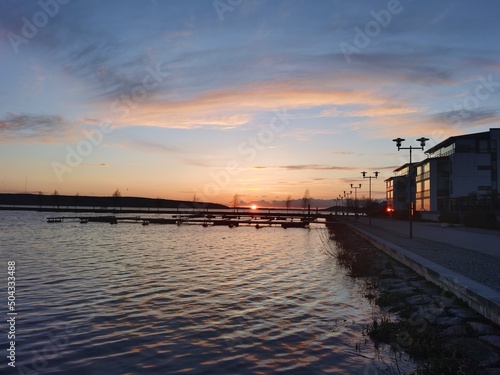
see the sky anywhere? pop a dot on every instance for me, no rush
(256, 98)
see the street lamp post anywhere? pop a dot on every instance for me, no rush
(346, 194)
(370, 193)
(355, 200)
(422, 141)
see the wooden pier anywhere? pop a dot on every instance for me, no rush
(228, 218)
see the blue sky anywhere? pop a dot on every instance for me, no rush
(263, 99)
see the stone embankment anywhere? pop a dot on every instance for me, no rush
(441, 333)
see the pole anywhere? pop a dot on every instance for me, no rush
(369, 202)
(411, 198)
(355, 201)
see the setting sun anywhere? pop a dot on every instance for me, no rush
(253, 207)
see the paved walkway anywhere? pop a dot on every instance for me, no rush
(473, 253)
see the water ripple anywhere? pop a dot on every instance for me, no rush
(129, 299)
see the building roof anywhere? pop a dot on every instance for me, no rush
(400, 168)
(428, 160)
(450, 140)
(394, 178)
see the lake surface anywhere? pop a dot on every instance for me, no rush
(132, 299)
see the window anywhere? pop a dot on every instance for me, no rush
(426, 205)
(484, 147)
(465, 146)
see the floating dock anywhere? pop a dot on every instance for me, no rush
(229, 219)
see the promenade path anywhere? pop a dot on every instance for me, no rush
(474, 253)
(461, 260)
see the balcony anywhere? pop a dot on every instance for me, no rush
(423, 176)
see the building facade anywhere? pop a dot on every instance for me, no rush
(397, 192)
(432, 184)
(457, 171)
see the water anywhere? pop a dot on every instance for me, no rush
(128, 299)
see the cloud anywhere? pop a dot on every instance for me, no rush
(330, 112)
(307, 167)
(343, 153)
(476, 116)
(96, 165)
(152, 146)
(199, 163)
(382, 111)
(34, 128)
(422, 66)
(235, 106)
(437, 126)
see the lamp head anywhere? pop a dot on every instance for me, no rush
(359, 186)
(364, 174)
(398, 141)
(422, 141)
(376, 174)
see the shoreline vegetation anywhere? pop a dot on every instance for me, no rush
(440, 333)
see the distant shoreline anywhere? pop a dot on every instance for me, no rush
(77, 202)
(72, 203)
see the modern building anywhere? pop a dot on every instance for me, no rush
(460, 173)
(432, 183)
(397, 192)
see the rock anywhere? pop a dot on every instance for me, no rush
(396, 285)
(442, 300)
(399, 286)
(419, 300)
(430, 313)
(447, 321)
(466, 314)
(386, 274)
(454, 331)
(397, 307)
(402, 272)
(420, 283)
(406, 291)
(430, 292)
(475, 349)
(491, 340)
(482, 329)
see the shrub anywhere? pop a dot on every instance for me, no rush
(485, 220)
(449, 217)
(400, 214)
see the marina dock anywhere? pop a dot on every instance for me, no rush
(209, 218)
